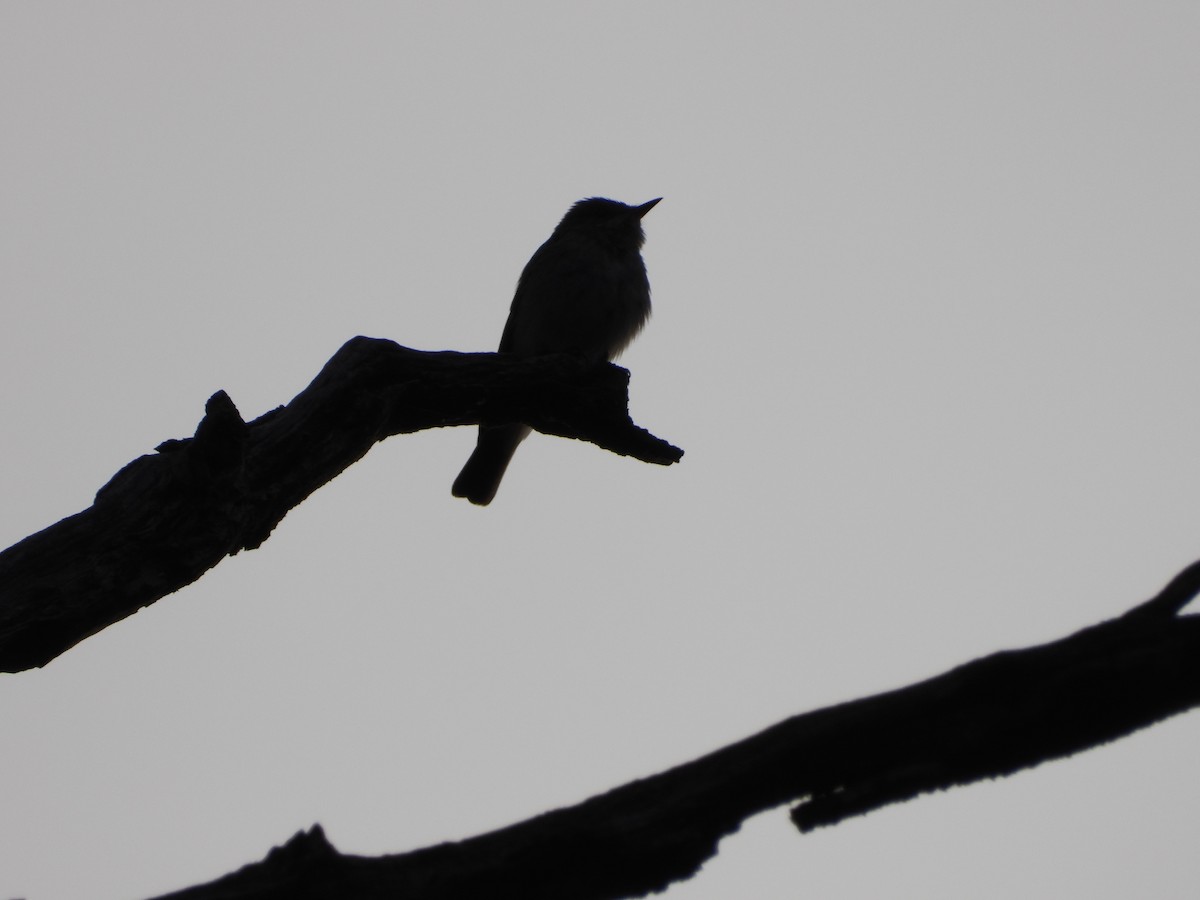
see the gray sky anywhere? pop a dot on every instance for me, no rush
(925, 285)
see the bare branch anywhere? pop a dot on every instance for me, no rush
(167, 518)
(988, 718)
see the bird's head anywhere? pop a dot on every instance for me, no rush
(608, 220)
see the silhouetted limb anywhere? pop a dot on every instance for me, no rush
(167, 518)
(990, 717)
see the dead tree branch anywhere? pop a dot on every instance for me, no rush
(168, 517)
(988, 718)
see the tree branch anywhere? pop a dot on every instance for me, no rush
(167, 518)
(988, 718)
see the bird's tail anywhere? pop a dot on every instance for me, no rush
(480, 477)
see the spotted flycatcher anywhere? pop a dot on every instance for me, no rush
(584, 291)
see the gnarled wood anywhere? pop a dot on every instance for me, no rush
(167, 518)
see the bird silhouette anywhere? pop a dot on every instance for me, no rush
(583, 291)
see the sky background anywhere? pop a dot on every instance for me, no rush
(925, 281)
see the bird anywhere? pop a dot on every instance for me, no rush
(584, 291)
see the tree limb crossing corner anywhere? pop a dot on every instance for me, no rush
(988, 718)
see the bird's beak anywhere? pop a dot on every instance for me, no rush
(646, 207)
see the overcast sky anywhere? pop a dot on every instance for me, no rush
(925, 281)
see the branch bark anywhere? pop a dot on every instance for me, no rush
(167, 518)
(987, 718)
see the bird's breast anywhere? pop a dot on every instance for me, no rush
(581, 298)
